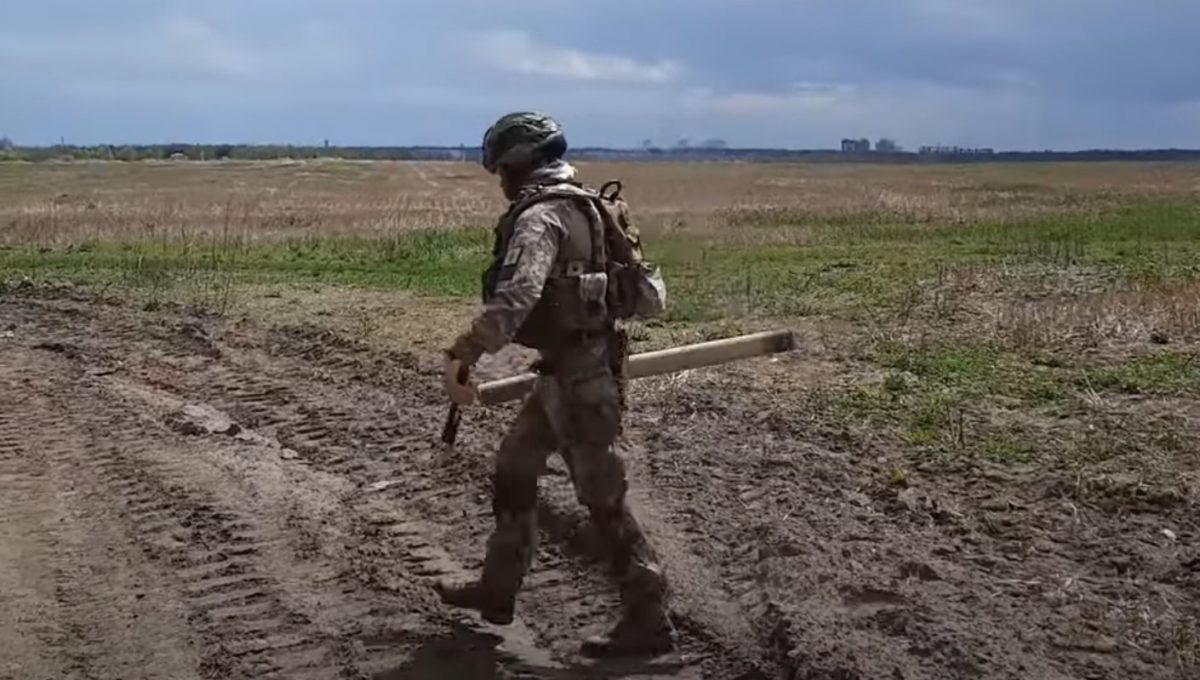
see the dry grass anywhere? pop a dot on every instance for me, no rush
(936, 250)
(1032, 306)
(57, 204)
(1139, 312)
(62, 203)
(1040, 319)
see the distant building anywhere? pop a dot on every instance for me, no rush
(856, 146)
(955, 151)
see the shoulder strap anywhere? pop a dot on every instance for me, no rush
(520, 205)
(585, 198)
(532, 198)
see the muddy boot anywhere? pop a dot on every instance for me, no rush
(509, 551)
(648, 634)
(493, 607)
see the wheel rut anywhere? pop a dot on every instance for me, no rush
(405, 514)
(567, 594)
(32, 630)
(256, 633)
(82, 593)
(323, 453)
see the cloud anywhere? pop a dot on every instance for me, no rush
(517, 52)
(804, 96)
(174, 53)
(1003, 73)
(195, 47)
(971, 20)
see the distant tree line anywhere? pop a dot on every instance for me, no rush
(216, 152)
(884, 155)
(710, 150)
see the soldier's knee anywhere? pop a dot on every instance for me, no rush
(514, 490)
(607, 513)
(600, 481)
(599, 427)
(593, 412)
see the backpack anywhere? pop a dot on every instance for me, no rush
(635, 288)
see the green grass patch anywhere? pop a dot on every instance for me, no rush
(967, 367)
(937, 397)
(973, 370)
(957, 399)
(932, 418)
(430, 262)
(862, 267)
(1163, 373)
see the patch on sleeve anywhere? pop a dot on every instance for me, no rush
(509, 266)
(513, 256)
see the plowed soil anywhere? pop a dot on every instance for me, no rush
(184, 496)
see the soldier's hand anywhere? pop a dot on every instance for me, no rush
(459, 386)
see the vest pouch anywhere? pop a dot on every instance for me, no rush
(582, 303)
(537, 332)
(593, 289)
(636, 291)
(578, 301)
(651, 299)
(569, 303)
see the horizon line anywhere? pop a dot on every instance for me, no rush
(655, 150)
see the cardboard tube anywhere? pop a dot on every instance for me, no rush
(663, 361)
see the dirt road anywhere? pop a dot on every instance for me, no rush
(183, 496)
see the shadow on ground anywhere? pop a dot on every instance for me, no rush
(467, 654)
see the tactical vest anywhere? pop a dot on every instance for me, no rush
(574, 299)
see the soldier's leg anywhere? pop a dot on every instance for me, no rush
(520, 459)
(513, 542)
(590, 423)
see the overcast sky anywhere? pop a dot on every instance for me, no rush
(1013, 74)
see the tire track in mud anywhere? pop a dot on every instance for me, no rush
(404, 516)
(235, 607)
(715, 621)
(419, 518)
(248, 631)
(566, 596)
(94, 602)
(258, 616)
(28, 536)
(389, 552)
(33, 529)
(212, 557)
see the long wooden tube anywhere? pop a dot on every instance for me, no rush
(662, 361)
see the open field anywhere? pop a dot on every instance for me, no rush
(220, 401)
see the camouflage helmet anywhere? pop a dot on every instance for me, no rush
(522, 138)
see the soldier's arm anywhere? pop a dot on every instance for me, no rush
(528, 260)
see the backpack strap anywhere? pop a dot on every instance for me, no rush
(616, 193)
(599, 232)
(585, 199)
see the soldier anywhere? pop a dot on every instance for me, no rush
(542, 292)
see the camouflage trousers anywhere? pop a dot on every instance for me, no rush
(575, 412)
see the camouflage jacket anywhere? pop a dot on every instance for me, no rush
(545, 240)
